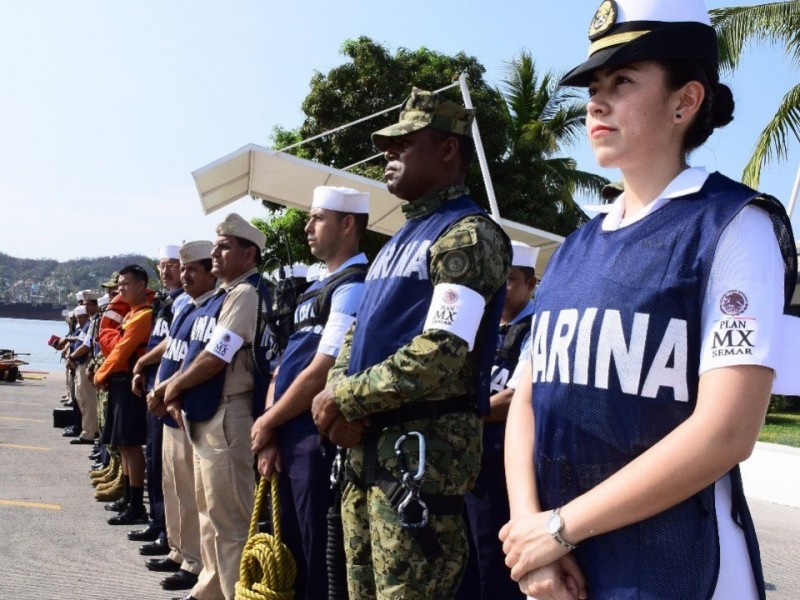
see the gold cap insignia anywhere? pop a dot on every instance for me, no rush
(603, 20)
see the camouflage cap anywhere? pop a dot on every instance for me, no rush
(113, 282)
(427, 109)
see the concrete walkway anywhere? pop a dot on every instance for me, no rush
(772, 474)
(55, 543)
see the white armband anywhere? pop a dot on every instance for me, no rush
(333, 335)
(456, 309)
(224, 343)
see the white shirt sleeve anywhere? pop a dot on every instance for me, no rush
(344, 304)
(524, 358)
(743, 306)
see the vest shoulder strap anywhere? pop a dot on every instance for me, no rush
(322, 295)
(512, 343)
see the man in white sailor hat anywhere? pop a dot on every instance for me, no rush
(286, 432)
(487, 509)
(78, 359)
(214, 397)
(180, 506)
(172, 300)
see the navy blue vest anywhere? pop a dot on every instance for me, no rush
(398, 294)
(303, 343)
(201, 402)
(510, 338)
(78, 343)
(177, 347)
(160, 331)
(616, 351)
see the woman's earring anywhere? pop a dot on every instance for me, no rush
(678, 115)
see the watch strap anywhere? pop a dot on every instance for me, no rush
(557, 534)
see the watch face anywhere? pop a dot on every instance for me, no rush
(554, 524)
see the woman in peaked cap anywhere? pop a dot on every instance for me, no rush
(655, 340)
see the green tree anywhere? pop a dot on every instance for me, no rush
(371, 80)
(772, 22)
(524, 127)
(541, 119)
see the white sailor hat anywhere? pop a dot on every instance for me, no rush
(194, 251)
(89, 295)
(79, 296)
(103, 300)
(523, 255)
(341, 199)
(236, 226)
(169, 252)
(79, 311)
(626, 31)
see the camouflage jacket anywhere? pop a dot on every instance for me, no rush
(435, 364)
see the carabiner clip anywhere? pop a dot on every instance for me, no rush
(337, 468)
(401, 459)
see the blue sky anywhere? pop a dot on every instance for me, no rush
(107, 107)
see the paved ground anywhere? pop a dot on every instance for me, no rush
(55, 543)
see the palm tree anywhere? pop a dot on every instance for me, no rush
(533, 183)
(771, 22)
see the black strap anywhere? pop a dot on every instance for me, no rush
(322, 295)
(424, 409)
(512, 342)
(395, 493)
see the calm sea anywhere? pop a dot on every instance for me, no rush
(30, 336)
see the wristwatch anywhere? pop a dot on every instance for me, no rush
(555, 524)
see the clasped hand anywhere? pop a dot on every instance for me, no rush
(539, 564)
(332, 424)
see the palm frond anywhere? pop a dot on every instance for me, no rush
(772, 143)
(739, 26)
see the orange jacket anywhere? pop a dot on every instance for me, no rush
(132, 342)
(110, 330)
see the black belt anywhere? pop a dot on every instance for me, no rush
(394, 491)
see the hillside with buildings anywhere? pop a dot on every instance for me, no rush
(48, 280)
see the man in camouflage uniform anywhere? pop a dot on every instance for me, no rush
(434, 293)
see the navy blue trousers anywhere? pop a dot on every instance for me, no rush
(486, 511)
(153, 461)
(305, 499)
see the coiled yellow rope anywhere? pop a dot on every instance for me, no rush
(267, 570)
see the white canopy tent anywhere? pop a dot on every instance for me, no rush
(290, 181)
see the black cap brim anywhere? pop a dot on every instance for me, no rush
(685, 40)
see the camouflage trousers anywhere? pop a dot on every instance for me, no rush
(102, 404)
(384, 561)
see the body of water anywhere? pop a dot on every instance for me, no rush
(30, 336)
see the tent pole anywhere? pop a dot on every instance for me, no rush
(476, 136)
(793, 196)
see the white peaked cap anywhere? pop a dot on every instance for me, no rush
(194, 251)
(297, 270)
(670, 11)
(524, 255)
(79, 296)
(89, 295)
(341, 199)
(79, 311)
(626, 31)
(103, 300)
(316, 272)
(170, 251)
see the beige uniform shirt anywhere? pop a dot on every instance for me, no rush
(238, 314)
